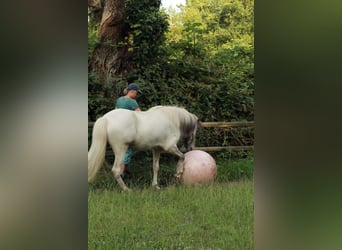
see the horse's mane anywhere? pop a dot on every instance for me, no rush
(185, 120)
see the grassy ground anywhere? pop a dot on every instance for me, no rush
(218, 216)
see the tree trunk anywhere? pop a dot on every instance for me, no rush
(110, 57)
(96, 10)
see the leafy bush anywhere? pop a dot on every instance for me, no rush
(204, 62)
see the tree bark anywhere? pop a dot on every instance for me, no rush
(111, 56)
(96, 10)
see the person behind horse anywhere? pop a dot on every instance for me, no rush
(128, 102)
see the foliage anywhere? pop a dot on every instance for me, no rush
(101, 96)
(213, 43)
(147, 27)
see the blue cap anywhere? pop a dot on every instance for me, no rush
(134, 86)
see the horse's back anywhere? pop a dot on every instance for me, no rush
(159, 126)
(152, 123)
(156, 129)
(121, 126)
(119, 116)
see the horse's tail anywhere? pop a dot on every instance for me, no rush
(96, 153)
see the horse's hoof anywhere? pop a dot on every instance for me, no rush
(127, 190)
(178, 175)
(156, 187)
(177, 180)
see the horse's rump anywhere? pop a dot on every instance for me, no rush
(121, 127)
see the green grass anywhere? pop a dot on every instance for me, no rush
(217, 216)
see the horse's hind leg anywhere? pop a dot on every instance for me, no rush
(156, 157)
(119, 157)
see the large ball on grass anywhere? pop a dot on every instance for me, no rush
(199, 168)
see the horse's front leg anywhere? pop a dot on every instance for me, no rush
(179, 168)
(180, 165)
(156, 157)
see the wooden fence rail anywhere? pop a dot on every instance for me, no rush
(214, 125)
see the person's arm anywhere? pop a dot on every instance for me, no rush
(135, 106)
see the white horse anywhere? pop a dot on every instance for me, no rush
(158, 129)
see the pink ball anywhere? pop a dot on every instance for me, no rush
(199, 168)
